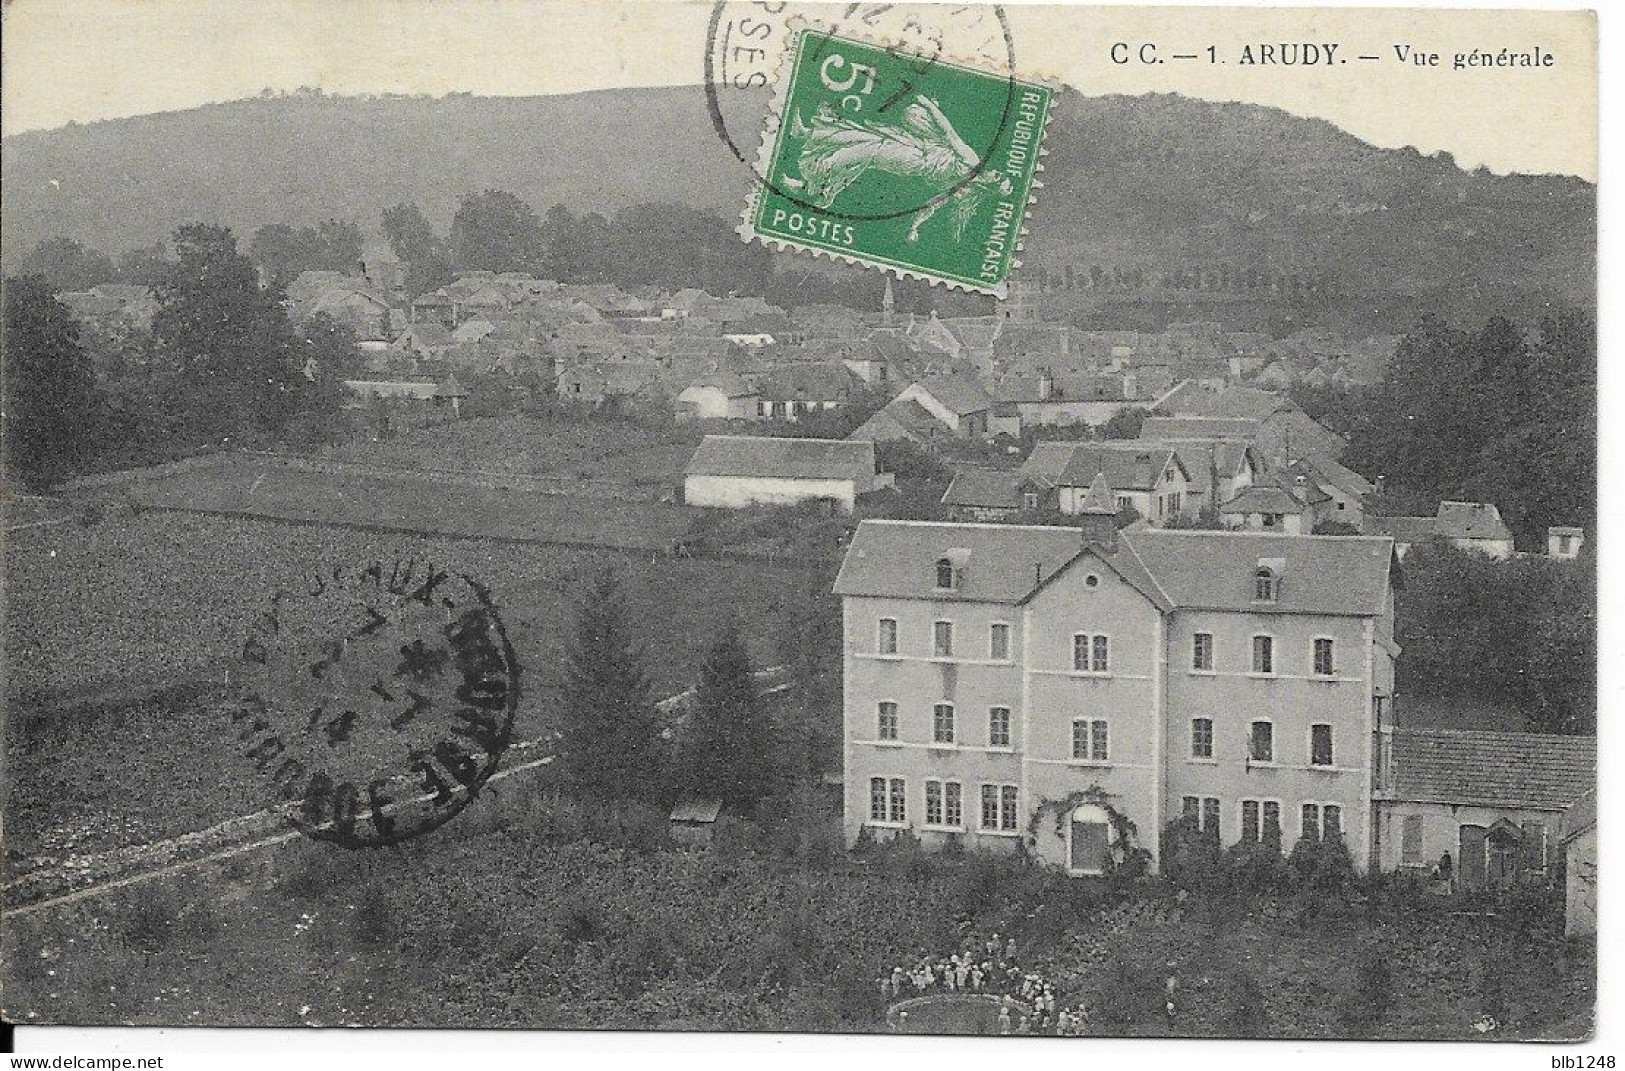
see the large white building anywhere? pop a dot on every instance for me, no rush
(1055, 687)
(733, 471)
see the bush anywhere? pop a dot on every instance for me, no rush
(149, 925)
(374, 922)
(1367, 994)
(1322, 866)
(1132, 996)
(1253, 869)
(1242, 1005)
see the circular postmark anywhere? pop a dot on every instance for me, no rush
(747, 43)
(377, 701)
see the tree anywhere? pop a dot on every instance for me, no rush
(609, 737)
(416, 245)
(145, 265)
(283, 252)
(495, 231)
(64, 264)
(231, 351)
(1124, 424)
(727, 753)
(51, 405)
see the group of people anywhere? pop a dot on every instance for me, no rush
(990, 967)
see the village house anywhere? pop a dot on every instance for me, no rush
(1478, 808)
(791, 392)
(1046, 399)
(1577, 839)
(1013, 686)
(732, 471)
(957, 401)
(720, 396)
(1473, 526)
(1149, 479)
(1344, 488)
(985, 495)
(1266, 507)
(1564, 543)
(903, 419)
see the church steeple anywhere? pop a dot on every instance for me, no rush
(888, 303)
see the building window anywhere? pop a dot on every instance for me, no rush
(1263, 654)
(942, 639)
(998, 642)
(1260, 822)
(953, 807)
(888, 800)
(1331, 821)
(934, 815)
(886, 725)
(1202, 812)
(999, 807)
(1320, 745)
(998, 727)
(990, 806)
(1309, 829)
(1324, 663)
(1201, 738)
(1261, 743)
(1265, 587)
(1091, 739)
(1124, 502)
(1202, 651)
(1410, 840)
(1175, 502)
(887, 642)
(877, 799)
(945, 574)
(1029, 500)
(1091, 654)
(942, 723)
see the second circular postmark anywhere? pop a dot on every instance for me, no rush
(376, 700)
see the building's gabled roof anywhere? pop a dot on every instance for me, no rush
(1126, 468)
(1327, 471)
(1581, 816)
(1341, 575)
(1496, 769)
(959, 394)
(783, 458)
(1263, 498)
(1470, 520)
(730, 385)
(1175, 428)
(1405, 530)
(806, 383)
(984, 488)
(905, 416)
(999, 563)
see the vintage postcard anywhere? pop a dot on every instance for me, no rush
(1016, 520)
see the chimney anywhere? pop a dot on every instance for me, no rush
(1046, 385)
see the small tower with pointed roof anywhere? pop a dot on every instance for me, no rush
(1097, 513)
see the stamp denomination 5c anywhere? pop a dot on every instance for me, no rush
(906, 162)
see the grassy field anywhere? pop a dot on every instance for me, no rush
(259, 487)
(112, 610)
(490, 922)
(642, 454)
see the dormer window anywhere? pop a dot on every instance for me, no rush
(1265, 584)
(945, 575)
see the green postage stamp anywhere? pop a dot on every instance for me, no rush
(901, 161)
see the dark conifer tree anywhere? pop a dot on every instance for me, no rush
(610, 736)
(52, 410)
(729, 746)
